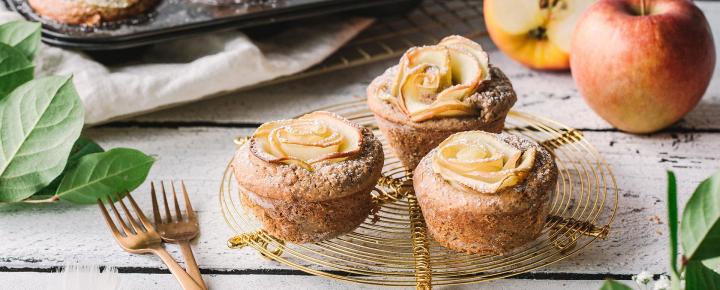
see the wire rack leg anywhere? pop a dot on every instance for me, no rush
(258, 239)
(421, 247)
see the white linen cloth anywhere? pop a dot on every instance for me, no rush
(188, 69)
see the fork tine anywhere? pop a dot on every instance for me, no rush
(130, 217)
(126, 229)
(108, 219)
(156, 209)
(178, 214)
(143, 219)
(168, 217)
(188, 206)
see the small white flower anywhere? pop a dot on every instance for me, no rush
(643, 278)
(663, 283)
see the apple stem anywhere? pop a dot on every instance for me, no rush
(642, 7)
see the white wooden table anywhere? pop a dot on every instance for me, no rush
(194, 143)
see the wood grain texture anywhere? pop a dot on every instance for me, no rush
(40, 281)
(47, 236)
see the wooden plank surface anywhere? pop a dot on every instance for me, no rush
(32, 281)
(198, 155)
(193, 142)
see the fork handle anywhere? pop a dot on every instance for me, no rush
(190, 263)
(183, 278)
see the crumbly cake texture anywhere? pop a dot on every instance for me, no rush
(303, 206)
(309, 222)
(411, 140)
(329, 180)
(472, 222)
(80, 12)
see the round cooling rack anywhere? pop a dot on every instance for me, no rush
(392, 248)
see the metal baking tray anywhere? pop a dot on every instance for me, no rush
(173, 19)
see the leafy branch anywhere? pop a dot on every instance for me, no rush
(699, 235)
(43, 159)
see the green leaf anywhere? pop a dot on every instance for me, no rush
(673, 222)
(700, 227)
(39, 122)
(23, 35)
(100, 174)
(614, 285)
(15, 69)
(699, 277)
(713, 264)
(83, 146)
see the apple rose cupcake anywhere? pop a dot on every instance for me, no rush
(436, 91)
(309, 179)
(485, 193)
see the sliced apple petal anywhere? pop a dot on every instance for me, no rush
(472, 183)
(464, 158)
(352, 134)
(563, 19)
(437, 56)
(265, 129)
(465, 67)
(311, 138)
(443, 108)
(399, 76)
(457, 92)
(464, 44)
(308, 153)
(419, 88)
(512, 159)
(482, 162)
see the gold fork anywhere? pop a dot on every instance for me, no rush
(180, 231)
(142, 239)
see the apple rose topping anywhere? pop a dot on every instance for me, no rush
(433, 81)
(479, 161)
(307, 140)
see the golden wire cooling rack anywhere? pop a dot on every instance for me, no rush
(392, 248)
(389, 37)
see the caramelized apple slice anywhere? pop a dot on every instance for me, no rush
(442, 108)
(481, 162)
(399, 76)
(436, 56)
(463, 44)
(309, 139)
(433, 81)
(456, 93)
(419, 88)
(351, 134)
(470, 157)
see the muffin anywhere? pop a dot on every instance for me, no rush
(90, 12)
(485, 193)
(436, 91)
(309, 179)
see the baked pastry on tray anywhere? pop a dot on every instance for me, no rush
(309, 179)
(90, 12)
(485, 193)
(436, 91)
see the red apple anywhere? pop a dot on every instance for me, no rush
(642, 68)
